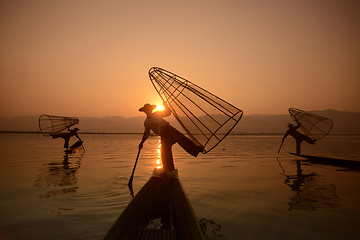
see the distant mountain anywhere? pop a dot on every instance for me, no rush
(21, 124)
(114, 124)
(344, 123)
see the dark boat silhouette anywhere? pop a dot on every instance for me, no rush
(160, 210)
(350, 164)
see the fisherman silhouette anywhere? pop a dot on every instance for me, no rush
(299, 137)
(66, 136)
(168, 135)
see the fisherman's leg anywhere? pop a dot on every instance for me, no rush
(188, 145)
(66, 144)
(54, 136)
(166, 155)
(57, 135)
(310, 140)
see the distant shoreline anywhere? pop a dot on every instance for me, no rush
(345, 123)
(118, 133)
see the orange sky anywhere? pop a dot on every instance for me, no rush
(91, 58)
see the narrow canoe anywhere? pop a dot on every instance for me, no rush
(330, 161)
(160, 210)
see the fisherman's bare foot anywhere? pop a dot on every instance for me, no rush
(200, 150)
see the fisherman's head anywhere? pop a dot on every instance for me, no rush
(147, 108)
(76, 129)
(290, 125)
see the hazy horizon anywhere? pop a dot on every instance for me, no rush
(344, 123)
(142, 115)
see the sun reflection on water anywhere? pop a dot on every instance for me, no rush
(158, 156)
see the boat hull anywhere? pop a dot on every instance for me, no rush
(160, 210)
(350, 164)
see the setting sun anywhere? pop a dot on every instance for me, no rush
(159, 107)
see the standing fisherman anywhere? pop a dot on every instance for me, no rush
(299, 137)
(168, 135)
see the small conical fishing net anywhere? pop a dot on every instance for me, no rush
(206, 118)
(49, 124)
(312, 125)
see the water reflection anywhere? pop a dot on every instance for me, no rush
(158, 155)
(311, 192)
(59, 178)
(211, 230)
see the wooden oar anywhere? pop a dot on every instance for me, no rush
(82, 144)
(280, 147)
(132, 175)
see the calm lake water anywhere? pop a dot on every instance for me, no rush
(240, 189)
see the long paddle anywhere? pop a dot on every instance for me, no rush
(132, 175)
(280, 147)
(82, 144)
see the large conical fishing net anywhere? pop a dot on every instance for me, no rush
(311, 124)
(49, 124)
(206, 118)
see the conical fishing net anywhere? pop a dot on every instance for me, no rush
(311, 124)
(49, 124)
(206, 118)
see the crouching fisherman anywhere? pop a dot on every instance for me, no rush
(67, 135)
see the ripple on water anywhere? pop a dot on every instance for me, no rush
(240, 187)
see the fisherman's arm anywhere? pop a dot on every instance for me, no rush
(167, 111)
(145, 136)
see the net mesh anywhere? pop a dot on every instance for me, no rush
(311, 124)
(49, 124)
(206, 118)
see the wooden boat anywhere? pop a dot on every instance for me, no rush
(160, 210)
(351, 164)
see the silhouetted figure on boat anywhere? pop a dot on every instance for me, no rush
(299, 137)
(168, 135)
(66, 136)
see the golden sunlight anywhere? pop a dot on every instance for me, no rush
(158, 157)
(159, 107)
